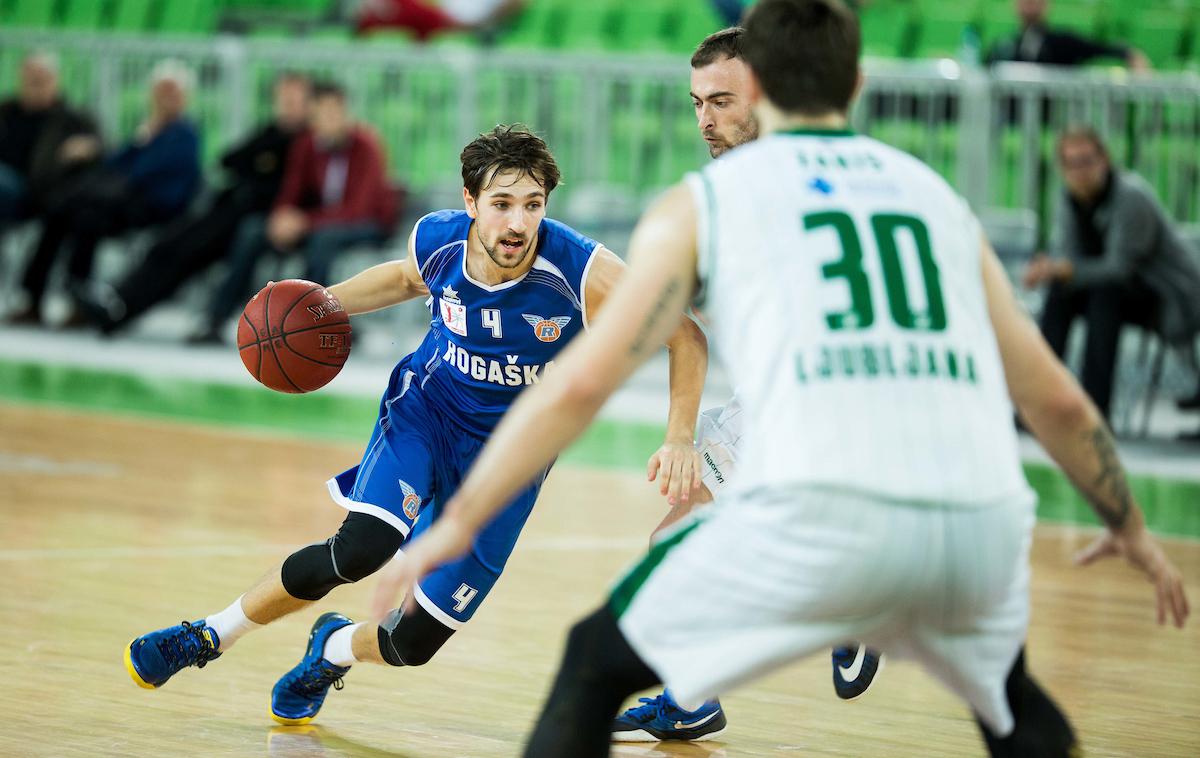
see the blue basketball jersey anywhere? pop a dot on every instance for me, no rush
(486, 343)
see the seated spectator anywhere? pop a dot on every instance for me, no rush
(1115, 259)
(1037, 42)
(43, 142)
(149, 181)
(425, 18)
(255, 171)
(335, 195)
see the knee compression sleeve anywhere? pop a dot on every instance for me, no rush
(1040, 729)
(361, 546)
(411, 639)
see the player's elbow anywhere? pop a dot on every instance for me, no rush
(1059, 407)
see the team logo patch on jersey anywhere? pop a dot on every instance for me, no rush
(454, 313)
(547, 329)
(821, 185)
(412, 501)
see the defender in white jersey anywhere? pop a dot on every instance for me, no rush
(900, 516)
(720, 80)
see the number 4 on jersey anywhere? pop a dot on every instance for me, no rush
(464, 595)
(491, 320)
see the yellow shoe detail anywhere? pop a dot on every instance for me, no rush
(291, 722)
(138, 680)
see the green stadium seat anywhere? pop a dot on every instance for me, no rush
(534, 27)
(888, 28)
(132, 16)
(588, 26)
(188, 17)
(643, 26)
(1161, 35)
(999, 24)
(84, 15)
(941, 28)
(340, 33)
(1005, 169)
(455, 40)
(697, 21)
(1087, 17)
(271, 31)
(34, 14)
(394, 38)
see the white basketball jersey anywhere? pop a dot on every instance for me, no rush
(842, 281)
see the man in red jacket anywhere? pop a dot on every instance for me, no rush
(335, 195)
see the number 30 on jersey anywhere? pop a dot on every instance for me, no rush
(884, 226)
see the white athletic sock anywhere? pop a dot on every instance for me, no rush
(230, 624)
(339, 648)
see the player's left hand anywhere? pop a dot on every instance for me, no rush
(680, 468)
(1139, 548)
(446, 540)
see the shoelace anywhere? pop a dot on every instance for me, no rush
(188, 643)
(317, 677)
(654, 706)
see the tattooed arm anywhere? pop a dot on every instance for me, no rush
(641, 312)
(1065, 421)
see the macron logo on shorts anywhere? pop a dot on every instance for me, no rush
(712, 465)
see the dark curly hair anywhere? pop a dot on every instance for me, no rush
(508, 148)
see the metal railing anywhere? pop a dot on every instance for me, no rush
(622, 126)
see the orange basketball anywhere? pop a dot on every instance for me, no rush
(294, 336)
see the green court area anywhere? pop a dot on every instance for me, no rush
(1172, 506)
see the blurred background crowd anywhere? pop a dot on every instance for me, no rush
(181, 152)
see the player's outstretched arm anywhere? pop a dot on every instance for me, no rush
(383, 285)
(1072, 431)
(676, 460)
(677, 463)
(643, 310)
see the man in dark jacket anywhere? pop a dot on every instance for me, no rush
(255, 169)
(151, 180)
(43, 142)
(335, 196)
(1115, 259)
(1038, 43)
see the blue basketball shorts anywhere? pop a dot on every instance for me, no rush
(413, 464)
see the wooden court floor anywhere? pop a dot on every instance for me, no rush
(114, 526)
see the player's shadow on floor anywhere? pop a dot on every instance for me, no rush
(313, 740)
(670, 750)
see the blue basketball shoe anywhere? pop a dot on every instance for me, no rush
(854, 669)
(154, 658)
(661, 718)
(300, 693)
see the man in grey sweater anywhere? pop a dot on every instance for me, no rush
(1115, 258)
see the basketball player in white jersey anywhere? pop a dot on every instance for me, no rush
(881, 497)
(719, 82)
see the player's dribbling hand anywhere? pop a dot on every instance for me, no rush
(1143, 552)
(680, 468)
(446, 540)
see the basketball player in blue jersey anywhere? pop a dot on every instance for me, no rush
(508, 288)
(719, 85)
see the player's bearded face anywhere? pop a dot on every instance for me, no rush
(723, 112)
(733, 134)
(508, 213)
